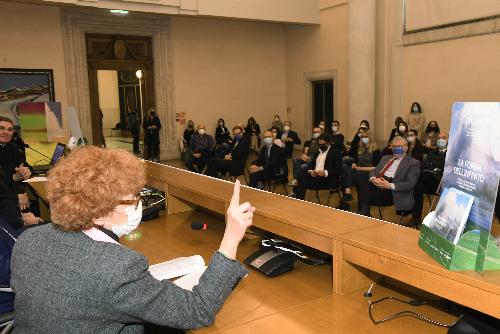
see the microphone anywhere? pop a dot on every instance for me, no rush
(202, 226)
(31, 148)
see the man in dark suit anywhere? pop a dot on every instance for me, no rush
(235, 160)
(269, 162)
(290, 138)
(392, 181)
(200, 150)
(324, 169)
(432, 168)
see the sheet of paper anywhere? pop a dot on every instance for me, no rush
(36, 179)
(189, 281)
(177, 267)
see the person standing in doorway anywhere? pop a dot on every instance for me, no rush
(152, 126)
(133, 125)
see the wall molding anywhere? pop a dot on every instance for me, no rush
(458, 30)
(77, 22)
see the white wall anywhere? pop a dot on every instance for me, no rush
(228, 69)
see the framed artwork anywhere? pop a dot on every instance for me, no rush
(24, 85)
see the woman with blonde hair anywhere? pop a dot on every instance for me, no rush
(74, 276)
(366, 159)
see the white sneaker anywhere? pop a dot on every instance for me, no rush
(293, 183)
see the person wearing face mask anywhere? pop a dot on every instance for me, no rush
(277, 123)
(432, 168)
(415, 149)
(392, 181)
(394, 131)
(222, 135)
(322, 125)
(269, 162)
(86, 281)
(416, 119)
(152, 126)
(367, 157)
(363, 126)
(277, 140)
(200, 150)
(337, 137)
(234, 161)
(188, 132)
(323, 170)
(300, 163)
(290, 138)
(402, 131)
(252, 130)
(429, 137)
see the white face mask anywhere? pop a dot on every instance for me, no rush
(415, 109)
(402, 128)
(441, 143)
(335, 128)
(322, 126)
(365, 140)
(276, 119)
(410, 139)
(268, 141)
(201, 131)
(134, 217)
(286, 128)
(316, 135)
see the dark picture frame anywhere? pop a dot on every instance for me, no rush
(24, 85)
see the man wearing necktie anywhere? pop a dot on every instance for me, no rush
(392, 181)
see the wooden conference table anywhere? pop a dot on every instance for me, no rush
(309, 299)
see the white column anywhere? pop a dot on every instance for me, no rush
(361, 63)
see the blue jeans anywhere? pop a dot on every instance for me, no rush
(298, 165)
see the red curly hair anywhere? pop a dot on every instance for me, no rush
(89, 183)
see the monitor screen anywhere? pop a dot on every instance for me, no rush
(58, 153)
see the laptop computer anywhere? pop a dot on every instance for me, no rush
(56, 156)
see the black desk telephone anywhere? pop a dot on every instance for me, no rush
(276, 257)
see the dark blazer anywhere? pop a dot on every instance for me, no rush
(418, 151)
(8, 238)
(66, 282)
(273, 164)
(222, 135)
(338, 142)
(333, 164)
(405, 179)
(151, 136)
(201, 144)
(239, 154)
(289, 145)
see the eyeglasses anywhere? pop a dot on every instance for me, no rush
(3, 128)
(134, 202)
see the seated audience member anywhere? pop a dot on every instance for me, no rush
(416, 119)
(222, 135)
(367, 157)
(337, 137)
(353, 149)
(277, 123)
(290, 138)
(429, 137)
(74, 276)
(252, 130)
(301, 162)
(432, 168)
(415, 149)
(276, 138)
(188, 132)
(362, 125)
(394, 130)
(8, 237)
(402, 131)
(322, 125)
(199, 150)
(234, 160)
(324, 169)
(269, 162)
(12, 172)
(392, 181)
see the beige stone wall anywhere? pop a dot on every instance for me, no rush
(317, 51)
(228, 69)
(109, 101)
(31, 38)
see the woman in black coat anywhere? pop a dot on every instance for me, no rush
(152, 126)
(222, 133)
